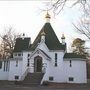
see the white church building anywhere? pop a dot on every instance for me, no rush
(46, 59)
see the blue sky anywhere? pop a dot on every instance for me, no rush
(26, 17)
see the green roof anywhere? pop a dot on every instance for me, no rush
(21, 44)
(51, 39)
(73, 55)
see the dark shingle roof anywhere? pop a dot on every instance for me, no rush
(21, 44)
(73, 55)
(51, 39)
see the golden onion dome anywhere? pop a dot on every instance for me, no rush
(47, 15)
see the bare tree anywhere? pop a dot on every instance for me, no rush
(83, 26)
(58, 5)
(7, 42)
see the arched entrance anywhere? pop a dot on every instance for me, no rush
(38, 64)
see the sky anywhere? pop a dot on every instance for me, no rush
(28, 17)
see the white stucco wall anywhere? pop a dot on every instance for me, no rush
(20, 69)
(56, 71)
(3, 74)
(43, 47)
(78, 71)
(15, 71)
(24, 63)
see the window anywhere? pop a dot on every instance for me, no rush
(71, 79)
(16, 77)
(55, 56)
(70, 63)
(55, 64)
(51, 78)
(55, 59)
(4, 65)
(7, 65)
(28, 55)
(19, 54)
(28, 63)
(0, 64)
(16, 63)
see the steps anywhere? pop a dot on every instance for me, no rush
(33, 79)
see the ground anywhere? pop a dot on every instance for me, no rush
(37, 88)
(48, 87)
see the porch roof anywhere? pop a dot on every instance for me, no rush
(42, 52)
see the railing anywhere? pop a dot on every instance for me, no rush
(43, 76)
(44, 70)
(44, 66)
(24, 74)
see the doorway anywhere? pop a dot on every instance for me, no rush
(38, 64)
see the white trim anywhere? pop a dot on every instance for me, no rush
(40, 53)
(76, 59)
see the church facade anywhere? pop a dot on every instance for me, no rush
(45, 55)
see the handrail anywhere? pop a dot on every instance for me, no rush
(44, 71)
(24, 74)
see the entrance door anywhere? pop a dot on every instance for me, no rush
(38, 64)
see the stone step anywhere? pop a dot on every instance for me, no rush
(33, 78)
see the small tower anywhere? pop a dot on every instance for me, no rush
(23, 35)
(63, 39)
(47, 17)
(43, 36)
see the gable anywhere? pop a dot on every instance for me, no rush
(39, 51)
(51, 39)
